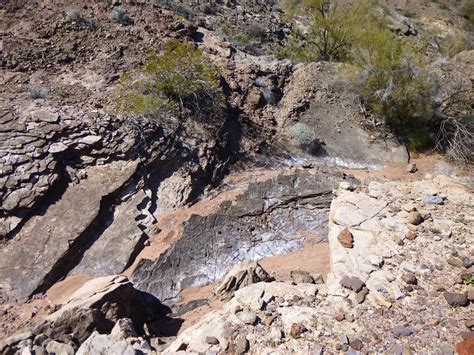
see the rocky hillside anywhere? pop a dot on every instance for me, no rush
(124, 232)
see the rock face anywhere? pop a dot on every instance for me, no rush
(241, 275)
(93, 309)
(268, 219)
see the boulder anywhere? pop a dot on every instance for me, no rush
(456, 299)
(243, 274)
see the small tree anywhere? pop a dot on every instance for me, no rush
(180, 80)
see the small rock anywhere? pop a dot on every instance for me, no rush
(398, 240)
(212, 340)
(433, 200)
(411, 168)
(346, 238)
(415, 218)
(353, 283)
(411, 235)
(456, 299)
(276, 335)
(301, 277)
(469, 323)
(247, 317)
(401, 331)
(467, 335)
(409, 279)
(356, 344)
(361, 295)
(434, 322)
(339, 316)
(465, 347)
(297, 329)
(242, 346)
(455, 261)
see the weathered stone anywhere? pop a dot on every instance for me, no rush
(346, 238)
(456, 299)
(299, 277)
(212, 340)
(401, 331)
(465, 347)
(242, 346)
(411, 168)
(123, 329)
(297, 329)
(409, 278)
(38, 255)
(411, 235)
(455, 261)
(247, 317)
(353, 283)
(55, 347)
(433, 200)
(415, 218)
(356, 344)
(241, 275)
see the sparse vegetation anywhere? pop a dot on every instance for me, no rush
(208, 8)
(391, 78)
(120, 16)
(303, 136)
(183, 10)
(467, 10)
(37, 92)
(178, 81)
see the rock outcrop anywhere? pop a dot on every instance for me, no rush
(94, 308)
(270, 218)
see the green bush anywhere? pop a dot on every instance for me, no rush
(467, 10)
(303, 136)
(180, 80)
(37, 92)
(120, 16)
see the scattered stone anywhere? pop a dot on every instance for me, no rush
(411, 168)
(415, 218)
(465, 347)
(346, 238)
(411, 235)
(241, 275)
(361, 295)
(456, 299)
(409, 278)
(467, 335)
(356, 344)
(353, 283)
(247, 317)
(242, 345)
(398, 240)
(123, 329)
(433, 200)
(401, 331)
(276, 335)
(469, 323)
(434, 322)
(339, 316)
(455, 261)
(212, 340)
(297, 329)
(55, 347)
(301, 277)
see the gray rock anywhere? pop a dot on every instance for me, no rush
(247, 317)
(400, 331)
(298, 277)
(54, 347)
(411, 168)
(456, 299)
(353, 283)
(242, 346)
(243, 274)
(212, 340)
(123, 329)
(433, 200)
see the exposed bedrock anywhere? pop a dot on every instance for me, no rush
(271, 218)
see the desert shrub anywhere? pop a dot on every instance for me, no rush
(37, 92)
(178, 81)
(208, 9)
(120, 16)
(303, 136)
(256, 31)
(239, 39)
(467, 10)
(184, 10)
(330, 27)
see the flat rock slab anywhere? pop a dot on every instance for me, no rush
(30, 261)
(270, 218)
